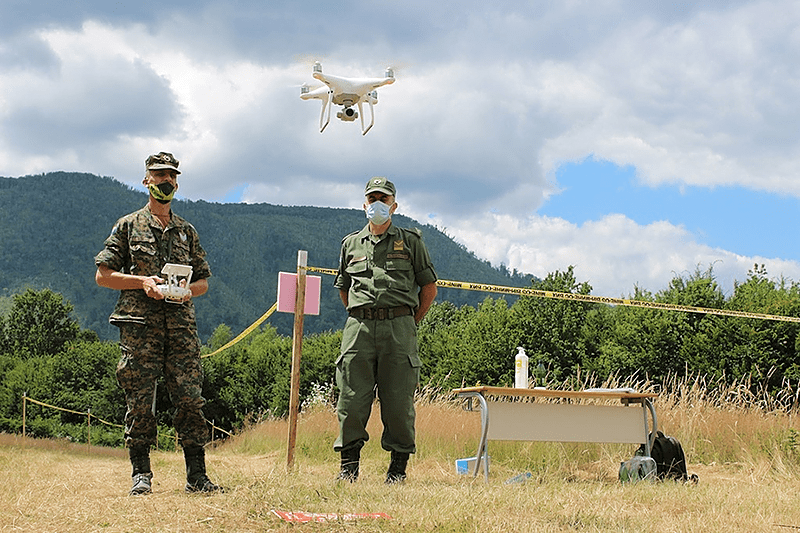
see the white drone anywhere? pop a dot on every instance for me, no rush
(346, 92)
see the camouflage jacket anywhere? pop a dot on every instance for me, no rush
(138, 245)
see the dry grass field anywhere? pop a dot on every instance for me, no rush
(742, 448)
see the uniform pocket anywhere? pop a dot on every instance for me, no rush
(143, 255)
(401, 273)
(143, 245)
(404, 332)
(357, 266)
(349, 337)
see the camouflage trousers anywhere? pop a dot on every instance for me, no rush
(147, 354)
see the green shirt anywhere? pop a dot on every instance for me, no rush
(138, 245)
(385, 270)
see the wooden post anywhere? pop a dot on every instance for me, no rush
(88, 428)
(297, 349)
(24, 405)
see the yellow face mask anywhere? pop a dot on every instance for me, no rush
(163, 192)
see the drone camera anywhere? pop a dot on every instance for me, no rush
(348, 114)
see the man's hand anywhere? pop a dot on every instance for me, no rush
(150, 287)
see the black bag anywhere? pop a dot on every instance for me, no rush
(669, 457)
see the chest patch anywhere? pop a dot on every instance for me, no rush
(398, 245)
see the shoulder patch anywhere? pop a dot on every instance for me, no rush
(414, 231)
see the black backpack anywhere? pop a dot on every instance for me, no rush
(670, 460)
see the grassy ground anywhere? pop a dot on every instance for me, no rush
(742, 450)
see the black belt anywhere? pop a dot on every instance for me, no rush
(380, 313)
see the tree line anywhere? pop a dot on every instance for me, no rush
(45, 354)
(247, 245)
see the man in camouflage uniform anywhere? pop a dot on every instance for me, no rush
(387, 283)
(158, 337)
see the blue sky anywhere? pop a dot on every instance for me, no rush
(633, 139)
(754, 223)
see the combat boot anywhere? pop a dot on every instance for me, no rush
(397, 468)
(196, 478)
(142, 475)
(350, 461)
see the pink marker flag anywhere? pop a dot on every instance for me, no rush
(287, 290)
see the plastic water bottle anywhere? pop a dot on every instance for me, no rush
(637, 469)
(519, 478)
(539, 376)
(521, 369)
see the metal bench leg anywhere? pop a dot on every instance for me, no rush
(483, 445)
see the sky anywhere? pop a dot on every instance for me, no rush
(636, 140)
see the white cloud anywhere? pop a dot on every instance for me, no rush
(490, 99)
(693, 102)
(613, 254)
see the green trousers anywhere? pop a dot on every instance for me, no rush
(378, 355)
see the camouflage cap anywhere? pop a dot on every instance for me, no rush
(379, 184)
(162, 160)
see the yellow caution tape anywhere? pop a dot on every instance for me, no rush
(29, 399)
(246, 332)
(610, 301)
(330, 271)
(53, 406)
(521, 291)
(89, 414)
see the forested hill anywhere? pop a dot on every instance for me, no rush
(52, 225)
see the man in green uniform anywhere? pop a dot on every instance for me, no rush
(387, 283)
(158, 337)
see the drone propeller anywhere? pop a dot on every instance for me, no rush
(306, 88)
(308, 60)
(398, 67)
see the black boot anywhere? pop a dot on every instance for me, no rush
(196, 478)
(397, 468)
(350, 460)
(142, 475)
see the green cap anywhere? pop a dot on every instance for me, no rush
(162, 160)
(379, 184)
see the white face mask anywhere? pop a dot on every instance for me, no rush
(378, 212)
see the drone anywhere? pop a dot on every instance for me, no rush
(346, 92)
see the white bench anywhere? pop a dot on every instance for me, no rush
(513, 417)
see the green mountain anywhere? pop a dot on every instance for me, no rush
(52, 225)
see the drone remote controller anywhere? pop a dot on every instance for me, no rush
(172, 290)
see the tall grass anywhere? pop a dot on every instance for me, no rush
(740, 439)
(717, 423)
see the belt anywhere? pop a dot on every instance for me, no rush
(380, 313)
